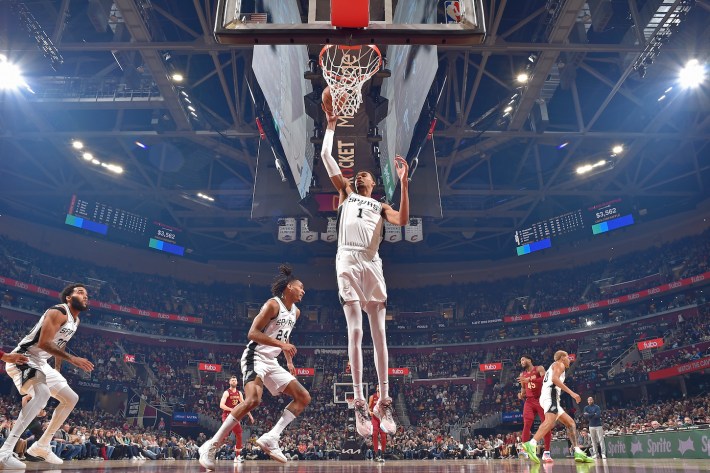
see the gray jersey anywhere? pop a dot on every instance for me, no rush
(29, 345)
(279, 328)
(360, 224)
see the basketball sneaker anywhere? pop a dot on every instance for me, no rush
(383, 411)
(546, 458)
(208, 454)
(362, 419)
(10, 461)
(270, 446)
(581, 457)
(531, 450)
(239, 459)
(43, 453)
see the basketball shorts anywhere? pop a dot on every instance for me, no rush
(531, 409)
(273, 375)
(360, 277)
(550, 405)
(22, 375)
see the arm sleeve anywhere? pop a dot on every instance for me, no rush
(328, 161)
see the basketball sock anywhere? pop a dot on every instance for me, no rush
(229, 423)
(377, 313)
(353, 316)
(533, 442)
(286, 418)
(67, 400)
(27, 415)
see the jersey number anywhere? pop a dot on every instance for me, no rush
(282, 335)
(359, 213)
(531, 385)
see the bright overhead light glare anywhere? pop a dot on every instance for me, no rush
(563, 145)
(96, 161)
(617, 149)
(187, 100)
(177, 77)
(191, 108)
(668, 90)
(692, 75)
(76, 144)
(11, 76)
(589, 323)
(585, 168)
(87, 156)
(522, 78)
(141, 145)
(508, 109)
(205, 196)
(183, 93)
(662, 97)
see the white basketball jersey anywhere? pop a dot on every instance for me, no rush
(551, 389)
(279, 328)
(360, 224)
(29, 345)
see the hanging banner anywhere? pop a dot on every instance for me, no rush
(307, 235)
(413, 232)
(211, 367)
(330, 234)
(648, 344)
(287, 229)
(497, 366)
(677, 370)
(393, 233)
(305, 371)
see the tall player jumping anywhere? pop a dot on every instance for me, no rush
(530, 388)
(230, 399)
(361, 283)
(268, 337)
(552, 386)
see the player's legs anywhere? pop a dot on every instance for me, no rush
(376, 312)
(269, 442)
(353, 317)
(540, 412)
(571, 427)
(528, 419)
(67, 400)
(40, 395)
(375, 434)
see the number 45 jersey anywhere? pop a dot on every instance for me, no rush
(279, 328)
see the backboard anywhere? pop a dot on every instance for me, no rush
(445, 22)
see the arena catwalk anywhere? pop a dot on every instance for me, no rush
(407, 466)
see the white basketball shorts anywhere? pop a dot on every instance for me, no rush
(22, 375)
(273, 375)
(360, 277)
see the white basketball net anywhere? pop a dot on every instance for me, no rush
(346, 69)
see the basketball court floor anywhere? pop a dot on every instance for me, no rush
(415, 466)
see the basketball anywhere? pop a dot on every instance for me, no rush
(327, 99)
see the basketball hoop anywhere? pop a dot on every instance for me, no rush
(346, 69)
(350, 400)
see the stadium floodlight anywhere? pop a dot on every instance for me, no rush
(11, 76)
(692, 75)
(177, 77)
(76, 144)
(584, 169)
(522, 78)
(617, 149)
(87, 156)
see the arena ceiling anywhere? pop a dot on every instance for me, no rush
(497, 174)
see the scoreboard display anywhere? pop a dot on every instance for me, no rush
(106, 219)
(598, 218)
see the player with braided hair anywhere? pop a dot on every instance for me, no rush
(268, 337)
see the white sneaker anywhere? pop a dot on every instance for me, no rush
(44, 454)
(10, 461)
(603, 456)
(270, 446)
(239, 459)
(208, 454)
(383, 411)
(363, 423)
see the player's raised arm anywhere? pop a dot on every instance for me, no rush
(341, 184)
(400, 217)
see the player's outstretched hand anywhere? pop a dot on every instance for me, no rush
(15, 358)
(82, 363)
(289, 349)
(402, 168)
(330, 116)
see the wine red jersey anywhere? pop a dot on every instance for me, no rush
(533, 384)
(232, 398)
(373, 400)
